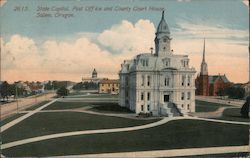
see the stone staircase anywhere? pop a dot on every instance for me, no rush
(170, 110)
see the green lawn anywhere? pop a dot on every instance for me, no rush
(173, 135)
(109, 108)
(35, 106)
(233, 114)
(103, 107)
(11, 118)
(51, 123)
(77, 93)
(94, 96)
(66, 105)
(202, 106)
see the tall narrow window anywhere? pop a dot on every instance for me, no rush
(167, 81)
(189, 81)
(141, 107)
(146, 62)
(188, 107)
(148, 107)
(183, 80)
(182, 96)
(188, 96)
(142, 96)
(126, 80)
(148, 96)
(143, 80)
(149, 80)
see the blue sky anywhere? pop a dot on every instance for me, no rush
(231, 14)
(224, 23)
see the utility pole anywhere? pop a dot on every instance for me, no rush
(16, 100)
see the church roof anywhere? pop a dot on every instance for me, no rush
(163, 26)
(212, 79)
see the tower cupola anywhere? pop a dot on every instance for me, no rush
(162, 38)
(94, 74)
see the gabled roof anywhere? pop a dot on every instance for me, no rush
(212, 79)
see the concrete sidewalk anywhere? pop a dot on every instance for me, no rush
(166, 153)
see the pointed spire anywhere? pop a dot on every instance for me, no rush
(204, 50)
(162, 17)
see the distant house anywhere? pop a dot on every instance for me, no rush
(217, 83)
(109, 86)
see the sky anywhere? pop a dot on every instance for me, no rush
(66, 39)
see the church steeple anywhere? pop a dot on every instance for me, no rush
(162, 39)
(204, 70)
(204, 47)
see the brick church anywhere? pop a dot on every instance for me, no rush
(209, 85)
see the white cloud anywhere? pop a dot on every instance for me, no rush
(23, 59)
(20, 52)
(2, 2)
(126, 38)
(212, 32)
(246, 2)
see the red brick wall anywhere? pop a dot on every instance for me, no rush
(202, 85)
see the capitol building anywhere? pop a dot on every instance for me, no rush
(160, 82)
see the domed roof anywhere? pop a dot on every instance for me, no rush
(94, 72)
(163, 26)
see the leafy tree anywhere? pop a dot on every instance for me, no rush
(235, 92)
(79, 86)
(48, 86)
(63, 91)
(85, 85)
(5, 90)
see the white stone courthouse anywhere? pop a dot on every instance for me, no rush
(160, 83)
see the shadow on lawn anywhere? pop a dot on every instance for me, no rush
(109, 107)
(233, 114)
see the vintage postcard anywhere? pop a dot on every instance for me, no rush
(124, 78)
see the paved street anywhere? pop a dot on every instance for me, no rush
(11, 108)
